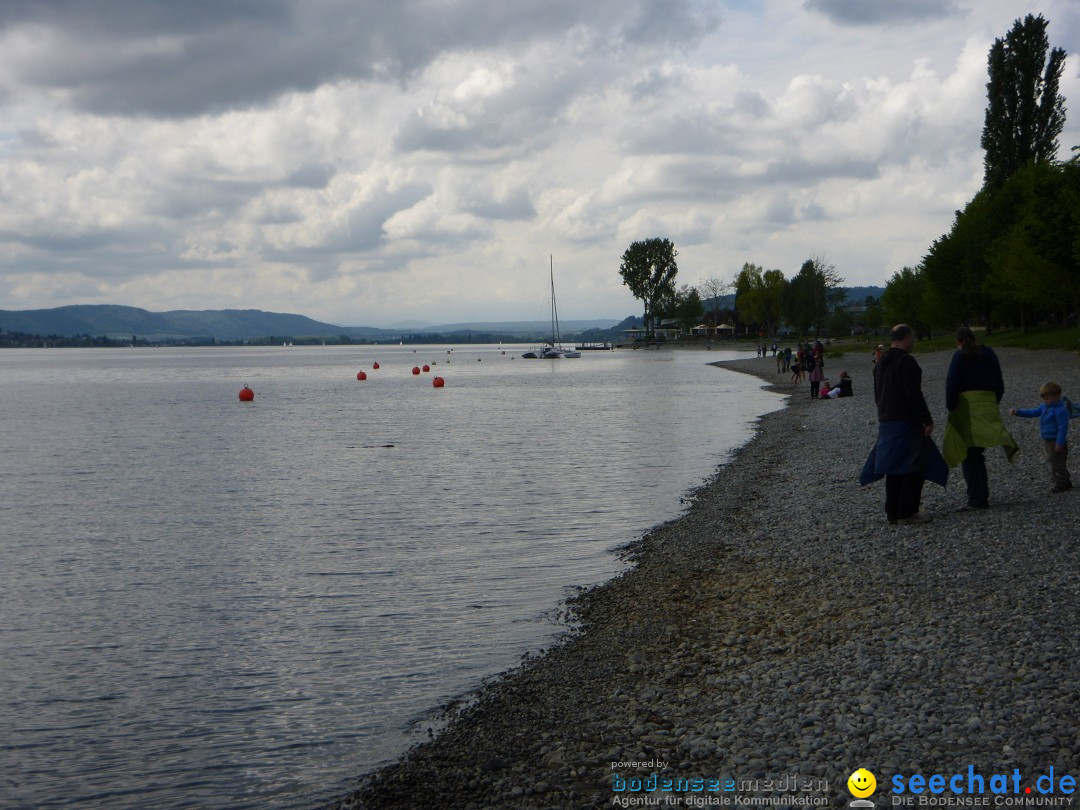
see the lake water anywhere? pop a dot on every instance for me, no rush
(206, 603)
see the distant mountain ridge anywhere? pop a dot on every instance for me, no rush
(116, 321)
(121, 322)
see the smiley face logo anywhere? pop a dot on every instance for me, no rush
(861, 783)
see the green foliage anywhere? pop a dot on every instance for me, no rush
(1024, 112)
(840, 323)
(648, 268)
(904, 301)
(687, 308)
(1012, 255)
(1033, 262)
(875, 316)
(810, 295)
(759, 295)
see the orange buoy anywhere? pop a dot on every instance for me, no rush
(416, 369)
(246, 394)
(360, 375)
(438, 382)
(374, 365)
(427, 367)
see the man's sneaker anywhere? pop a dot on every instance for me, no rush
(915, 520)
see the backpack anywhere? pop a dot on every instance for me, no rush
(1071, 408)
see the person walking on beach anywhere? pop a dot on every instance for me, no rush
(787, 358)
(973, 388)
(903, 454)
(1054, 429)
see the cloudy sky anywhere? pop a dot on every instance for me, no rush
(371, 162)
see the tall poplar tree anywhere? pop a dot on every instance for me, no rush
(648, 268)
(1024, 113)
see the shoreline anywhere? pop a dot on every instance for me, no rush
(780, 627)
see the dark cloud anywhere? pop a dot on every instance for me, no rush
(65, 242)
(103, 253)
(669, 22)
(164, 58)
(185, 198)
(877, 12)
(699, 179)
(316, 176)
(655, 85)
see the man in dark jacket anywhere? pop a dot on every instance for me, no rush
(904, 421)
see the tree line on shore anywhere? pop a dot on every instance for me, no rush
(1010, 259)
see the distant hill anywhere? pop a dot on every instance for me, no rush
(226, 324)
(122, 322)
(857, 295)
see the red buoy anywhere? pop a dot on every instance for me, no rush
(438, 382)
(374, 365)
(246, 394)
(360, 375)
(427, 367)
(416, 369)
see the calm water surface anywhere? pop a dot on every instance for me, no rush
(205, 603)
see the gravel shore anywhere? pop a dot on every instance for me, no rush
(781, 627)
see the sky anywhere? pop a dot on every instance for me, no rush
(374, 163)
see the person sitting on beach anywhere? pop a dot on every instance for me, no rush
(845, 385)
(842, 389)
(1054, 429)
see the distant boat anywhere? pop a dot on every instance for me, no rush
(553, 349)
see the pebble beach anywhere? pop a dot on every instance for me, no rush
(780, 634)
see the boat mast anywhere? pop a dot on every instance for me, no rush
(556, 338)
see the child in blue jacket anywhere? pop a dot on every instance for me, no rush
(1054, 429)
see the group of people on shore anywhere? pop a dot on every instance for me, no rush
(807, 362)
(904, 454)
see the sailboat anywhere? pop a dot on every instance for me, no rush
(553, 349)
